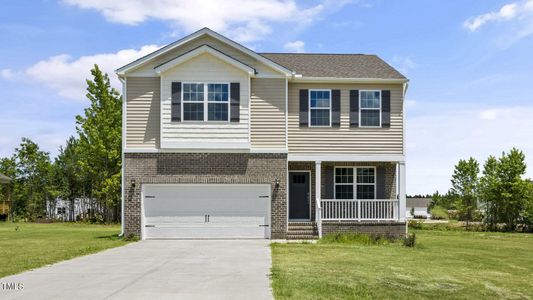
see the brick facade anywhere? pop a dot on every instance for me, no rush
(391, 229)
(236, 168)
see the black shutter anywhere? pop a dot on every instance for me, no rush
(385, 108)
(380, 183)
(354, 108)
(329, 183)
(175, 110)
(336, 108)
(304, 108)
(235, 110)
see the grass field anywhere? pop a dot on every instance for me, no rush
(443, 265)
(25, 246)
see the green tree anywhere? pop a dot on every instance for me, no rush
(33, 181)
(100, 133)
(464, 186)
(70, 182)
(489, 185)
(512, 190)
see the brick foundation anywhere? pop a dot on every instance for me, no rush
(393, 229)
(236, 168)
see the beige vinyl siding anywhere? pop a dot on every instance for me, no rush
(346, 139)
(207, 69)
(142, 112)
(268, 113)
(261, 68)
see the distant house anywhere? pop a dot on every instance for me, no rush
(417, 207)
(5, 203)
(61, 209)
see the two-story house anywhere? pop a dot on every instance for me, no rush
(222, 142)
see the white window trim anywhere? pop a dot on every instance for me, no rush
(355, 183)
(320, 108)
(378, 109)
(205, 103)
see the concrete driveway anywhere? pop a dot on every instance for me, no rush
(157, 269)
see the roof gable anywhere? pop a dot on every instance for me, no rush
(202, 50)
(205, 32)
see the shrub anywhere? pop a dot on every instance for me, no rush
(413, 224)
(439, 213)
(131, 237)
(409, 240)
(356, 238)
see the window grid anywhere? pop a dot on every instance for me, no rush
(319, 108)
(193, 97)
(205, 102)
(370, 108)
(355, 183)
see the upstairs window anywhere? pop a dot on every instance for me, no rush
(217, 102)
(370, 109)
(193, 101)
(320, 108)
(205, 102)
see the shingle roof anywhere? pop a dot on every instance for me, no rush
(335, 65)
(4, 178)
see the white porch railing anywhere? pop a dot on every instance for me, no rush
(359, 210)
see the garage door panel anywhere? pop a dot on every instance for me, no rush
(179, 211)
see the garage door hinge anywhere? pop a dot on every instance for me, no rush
(264, 225)
(263, 196)
(149, 196)
(149, 225)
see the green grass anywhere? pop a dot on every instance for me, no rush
(35, 245)
(443, 265)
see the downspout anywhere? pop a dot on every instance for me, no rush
(122, 188)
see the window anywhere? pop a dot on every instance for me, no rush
(61, 210)
(193, 101)
(370, 109)
(217, 102)
(199, 98)
(362, 185)
(319, 108)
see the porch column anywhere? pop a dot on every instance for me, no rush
(401, 187)
(318, 188)
(318, 182)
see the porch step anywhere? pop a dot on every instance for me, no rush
(302, 231)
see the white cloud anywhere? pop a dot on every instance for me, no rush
(296, 46)
(7, 74)
(506, 12)
(438, 135)
(244, 21)
(67, 75)
(519, 12)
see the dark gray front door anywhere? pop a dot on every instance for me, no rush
(299, 195)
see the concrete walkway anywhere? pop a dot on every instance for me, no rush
(173, 269)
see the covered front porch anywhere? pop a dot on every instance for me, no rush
(352, 193)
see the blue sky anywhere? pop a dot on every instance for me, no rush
(469, 62)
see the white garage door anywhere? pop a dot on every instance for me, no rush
(206, 211)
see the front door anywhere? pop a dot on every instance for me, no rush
(299, 196)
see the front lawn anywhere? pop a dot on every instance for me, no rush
(25, 246)
(453, 264)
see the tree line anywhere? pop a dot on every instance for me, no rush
(499, 196)
(88, 166)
